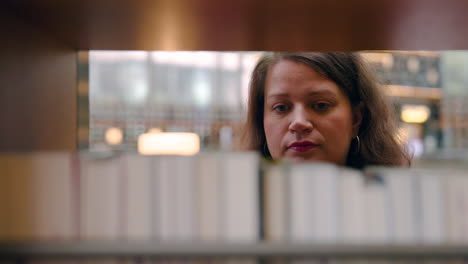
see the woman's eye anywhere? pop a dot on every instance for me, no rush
(321, 107)
(280, 108)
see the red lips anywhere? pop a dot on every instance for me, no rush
(302, 146)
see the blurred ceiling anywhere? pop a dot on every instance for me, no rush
(291, 25)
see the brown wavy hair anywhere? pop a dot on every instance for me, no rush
(378, 143)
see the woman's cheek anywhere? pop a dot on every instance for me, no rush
(271, 137)
(276, 140)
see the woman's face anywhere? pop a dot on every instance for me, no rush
(306, 116)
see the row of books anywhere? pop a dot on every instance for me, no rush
(72, 196)
(325, 203)
(225, 196)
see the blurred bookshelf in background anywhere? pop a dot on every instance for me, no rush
(127, 94)
(131, 93)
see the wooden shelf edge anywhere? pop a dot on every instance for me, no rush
(241, 250)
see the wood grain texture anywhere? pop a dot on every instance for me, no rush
(37, 89)
(252, 24)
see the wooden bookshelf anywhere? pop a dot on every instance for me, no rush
(38, 69)
(250, 24)
(235, 250)
(38, 79)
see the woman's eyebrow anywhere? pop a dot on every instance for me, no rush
(280, 95)
(321, 92)
(312, 93)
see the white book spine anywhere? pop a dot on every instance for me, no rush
(400, 190)
(324, 200)
(276, 193)
(209, 203)
(166, 198)
(138, 197)
(240, 187)
(464, 211)
(462, 214)
(455, 207)
(351, 215)
(300, 218)
(155, 196)
(314, 202)
(185, 200)
(376, 213)
(432, 208)
(100, 198)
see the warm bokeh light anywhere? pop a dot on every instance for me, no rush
(154, 130)
(176, 143)
(415, 113)
(412, 64)
(114, 136)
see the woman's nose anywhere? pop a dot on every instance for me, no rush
(300, 122)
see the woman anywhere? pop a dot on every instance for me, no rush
(320, 107)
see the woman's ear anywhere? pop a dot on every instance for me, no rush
(357, 118)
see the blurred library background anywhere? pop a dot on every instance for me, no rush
(89, 86)
(125, 95)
